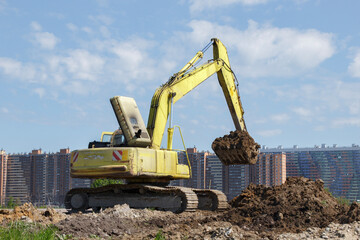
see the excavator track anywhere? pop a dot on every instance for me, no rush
(172, 198)
(175, 199)
(212, 200)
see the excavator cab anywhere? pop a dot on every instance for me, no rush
(118, 139)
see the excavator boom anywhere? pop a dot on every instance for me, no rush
(244, 150)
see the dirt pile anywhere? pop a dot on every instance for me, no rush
(236, 148)
(27, 212)
(296, 205)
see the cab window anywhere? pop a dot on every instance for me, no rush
(119, 140)
(106, 138)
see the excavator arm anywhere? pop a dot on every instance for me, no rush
(186, 80)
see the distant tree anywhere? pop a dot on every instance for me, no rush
(105, 181)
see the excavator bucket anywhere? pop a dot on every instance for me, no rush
(236, 148)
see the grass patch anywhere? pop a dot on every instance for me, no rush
(27, 231)
(343, 201)
(159, 235)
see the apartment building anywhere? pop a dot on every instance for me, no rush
(338, 167)
(208, 172)
(37, 177)
(18, 178)
(3, 176)
(213, 173)
(270, 169)
(235, 179)
(198, 171)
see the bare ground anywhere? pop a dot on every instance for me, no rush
(298, 209)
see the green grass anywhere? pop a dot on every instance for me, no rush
(343, 201)
(159, 235)
(28, 231)
(340, 200)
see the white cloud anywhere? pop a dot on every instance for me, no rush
(82, 71)
(132, 56)
(267, 50)
(270, 133)
(87, 30)
(4, 110)
(347, 122)
(56, 15)
(322, 97)
(302, 112)
(102, 19)
(354, 67)
(2, 5)
(105, 32)
(280, 118)
(79, 63)
(300, 1)
(16, 69)
(46, 40)
(103, 3)
(40, 92)
(200, 5)
(72, 27)
(35, 26)
(194, 122)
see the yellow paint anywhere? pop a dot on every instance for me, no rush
(149, 163)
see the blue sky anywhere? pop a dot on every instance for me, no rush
(297, 62)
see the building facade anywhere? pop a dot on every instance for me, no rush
(208, 172)
(18, 178)
(213, 173)
(3, 176)
(338, 167)
(37, 177)
(198, 172)
(235, 179)
(270, 169)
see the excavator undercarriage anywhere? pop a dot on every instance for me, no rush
(172, 198)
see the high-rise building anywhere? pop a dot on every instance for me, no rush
(338, 167)
(39, 179)
(198, 171)
(42, 178)
(63, 180)
(17, 184)
(235, 179)
(270, 169)
(213, 173)
(3, 176)
(208, 172)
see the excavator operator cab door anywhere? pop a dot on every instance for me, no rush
(118, 139)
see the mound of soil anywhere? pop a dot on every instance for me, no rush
(27, 212)
(238, 147)
(296, 205)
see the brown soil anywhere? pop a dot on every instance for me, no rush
(236, 148)
(258, 212)
(29, 213)
(296, 205)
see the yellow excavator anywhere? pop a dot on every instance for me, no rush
(133, 152)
